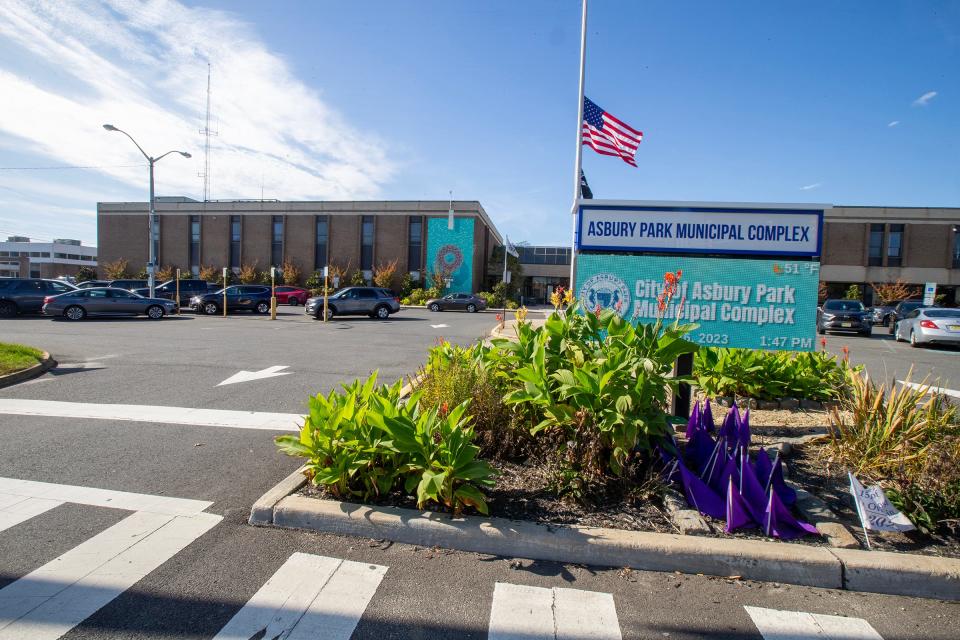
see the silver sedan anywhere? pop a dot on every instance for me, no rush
(105, 301)
(928, 326)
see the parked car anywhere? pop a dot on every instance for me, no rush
(240, 297)
(901, 311)
(130, 285)
(354, 301)
(929, 325)
(843, 315)
(457, 302)
(188, 289)
(25, 295)
(291, 295)
(882, 314)
(89, 284)
(105, 301)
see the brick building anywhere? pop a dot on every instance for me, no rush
(21, 257)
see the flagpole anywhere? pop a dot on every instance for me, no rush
(579, 162)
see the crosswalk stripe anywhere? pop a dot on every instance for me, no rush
(774, 624)
(153, 414)
(309, 596)
(48, 602)
(17, 509)
(520, 612)
(12, 488)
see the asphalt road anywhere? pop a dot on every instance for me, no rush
(425, 593)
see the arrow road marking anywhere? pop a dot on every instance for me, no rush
(247, 376)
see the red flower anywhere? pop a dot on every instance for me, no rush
(679, 273)
(444, 408)
(596, 311)
(499, 318)
(823, 343)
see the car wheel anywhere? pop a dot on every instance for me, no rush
(74, 312)
(471, 308)
(913, 339)
(155, 312)
(211, 308)
(434, 307)
(7, 309)
(866, 334)
(381, 312)
(263, 307)
(329, 315)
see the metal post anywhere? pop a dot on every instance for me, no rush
(326, 288)
(178, 291)
(224, 292)
(151, 281)
(681, 399)
(579, 163)
(273, 293)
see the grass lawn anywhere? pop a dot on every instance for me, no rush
(14, 357)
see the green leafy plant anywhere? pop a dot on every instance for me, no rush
(85, 273)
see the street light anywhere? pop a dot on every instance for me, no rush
(152, 217)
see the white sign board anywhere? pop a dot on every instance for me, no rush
(929, 293)
(758, 230)
(875, 511)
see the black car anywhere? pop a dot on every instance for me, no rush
(129, 285)
(188, 290)
(25, 295)
(89, 284)
(457, 302)
(902, 310)
(240, 297)
(844, 315)
(355, 301)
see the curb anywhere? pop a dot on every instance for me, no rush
(854, 570)
(29, 373)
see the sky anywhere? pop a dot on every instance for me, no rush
(853, 103)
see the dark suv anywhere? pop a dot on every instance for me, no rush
(240, 297)
(25, 295)
(168, 290)
(355, 301)
(129, 285)
(843, 315)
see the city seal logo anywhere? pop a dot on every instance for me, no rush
(606, 291)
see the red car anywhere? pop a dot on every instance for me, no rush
(292, 295)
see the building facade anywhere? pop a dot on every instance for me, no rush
(20, 257)
(356, 236)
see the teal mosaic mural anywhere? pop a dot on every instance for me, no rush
(451, 251)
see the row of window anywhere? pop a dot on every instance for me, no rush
(321, 241)
(885, 240)
(544, 255)
(46, 254)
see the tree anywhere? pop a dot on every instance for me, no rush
(821, 291)
(208, 273)
(248, 273)
(291, 273)
(888, 292)
(513, 266)
(383, 275)
(852, 293)
(85, 273)
(117, 270)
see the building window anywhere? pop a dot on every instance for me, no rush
(895, 245)
(195, 244)
(322, 237)
(956, 246)
(875, 259)
(366, 244)
(276, 246)
(234, 242)
(415, 244)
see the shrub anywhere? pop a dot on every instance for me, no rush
(85, 274)
(142, 274)
(363, 442)
(907, 439)
(210, 273)
(315, 281)
(383, 275)
(248, 273)
(888, 292)
(117, 270)
(357, 279)
(511, 304)
(770, 375)
(490, 299)
(166, 273)
(406, 284)
(291, 273)
(852, 292)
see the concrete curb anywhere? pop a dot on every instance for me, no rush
(854, 570)
(29, 373)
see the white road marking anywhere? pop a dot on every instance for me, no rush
(79, 365)
(439, 326)
(13, 490)
(247, 376)
(309, 596)
(154, 414)
(48, 602)
(798, 625)
(16, 509)
(527, 613)
(932, 388)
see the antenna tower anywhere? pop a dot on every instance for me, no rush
(207, 132)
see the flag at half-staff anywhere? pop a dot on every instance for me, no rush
(608, 135)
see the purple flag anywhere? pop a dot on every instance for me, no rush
(706, 417)
(728, 471)
(763, 468)
(700, 496)
(738, 515)
(780, 486)
(780, 523)
(751, 489)
(699, 449)
(728, 429)
(693, 424)
(743, 429)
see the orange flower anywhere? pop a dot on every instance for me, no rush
(846, 352)
(823, 343)
(444, 408)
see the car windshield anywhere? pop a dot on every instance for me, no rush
(942, 313)
(843, 305)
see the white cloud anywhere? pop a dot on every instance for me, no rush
(923, 100)
(893, 123)
(142, 67)
(808, 187)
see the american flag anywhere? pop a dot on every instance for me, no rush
(607, 135)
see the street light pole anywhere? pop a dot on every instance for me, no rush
(152, 217)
